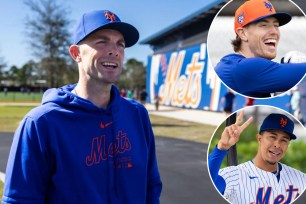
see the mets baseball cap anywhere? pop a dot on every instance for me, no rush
(104, 19)
(276, 121)
(255, 10)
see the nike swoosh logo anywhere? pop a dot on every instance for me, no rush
(253, 177)
(107, 124)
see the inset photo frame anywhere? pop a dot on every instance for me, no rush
(257, 155)
(257, 47)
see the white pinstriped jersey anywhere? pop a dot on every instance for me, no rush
(247, 184)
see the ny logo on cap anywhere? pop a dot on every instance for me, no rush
(110, 16)
(283, 122)
(268, 5)
(240, 18)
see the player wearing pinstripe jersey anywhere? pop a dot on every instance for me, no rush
(263, 180)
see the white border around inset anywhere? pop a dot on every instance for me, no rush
(2, 177)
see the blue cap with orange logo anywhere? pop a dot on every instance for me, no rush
(104, 19)
(256, 10)
(276, 121)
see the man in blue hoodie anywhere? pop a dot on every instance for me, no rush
(85, 143)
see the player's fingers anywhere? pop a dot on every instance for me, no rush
(229, 131)
(239, 118)
(246, 124)
(234, 132)
(234, 135)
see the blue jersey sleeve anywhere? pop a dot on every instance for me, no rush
(266, 76)
(154, 186)
(27, 168)
(215, 159)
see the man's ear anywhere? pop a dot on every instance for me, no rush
(241, 32)
(259, 137)
(75, 53)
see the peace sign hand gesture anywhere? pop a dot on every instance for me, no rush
(231, 134)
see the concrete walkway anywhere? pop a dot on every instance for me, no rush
(198, 116)
(205, 117)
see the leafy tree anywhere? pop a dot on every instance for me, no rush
(27, 73)
(133, 75)
(47, 30)
(2, 66)
(12, 74)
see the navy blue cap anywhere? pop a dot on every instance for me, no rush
(282, 17)
(276, 121)
(104, 19)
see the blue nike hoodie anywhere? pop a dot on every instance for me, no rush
(70, 151)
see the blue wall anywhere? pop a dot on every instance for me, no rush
(183, 79)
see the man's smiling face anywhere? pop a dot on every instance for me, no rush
(262, 38)
(272, 146)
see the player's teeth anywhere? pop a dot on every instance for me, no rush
(109, 64)
(275, 153)
(270, 41)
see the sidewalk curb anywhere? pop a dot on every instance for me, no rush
(193, 115)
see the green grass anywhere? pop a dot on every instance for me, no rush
(180, 129)
(1, 190)
(10, 117)
(20, 97)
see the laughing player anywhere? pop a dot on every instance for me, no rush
(250, 71)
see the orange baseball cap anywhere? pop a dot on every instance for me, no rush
(256, 10)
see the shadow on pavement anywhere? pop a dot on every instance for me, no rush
(184, 173)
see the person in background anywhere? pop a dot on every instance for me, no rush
(249, 101)
(228, 102)
(143, 96)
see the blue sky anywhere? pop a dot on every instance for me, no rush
(149, 17)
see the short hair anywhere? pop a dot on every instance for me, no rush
(236, 43)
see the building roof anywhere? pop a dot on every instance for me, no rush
(204, 17)
(210, 8)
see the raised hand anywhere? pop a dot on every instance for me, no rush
(231, 134)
